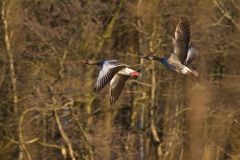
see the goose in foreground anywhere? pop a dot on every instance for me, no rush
(114, 72)
(183, 52)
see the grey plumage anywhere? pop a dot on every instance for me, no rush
(114, 72)
(107, 72)
(116, 87)
(183, 53)
(181, 41)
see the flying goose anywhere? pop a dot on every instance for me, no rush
(183, 52)
(114, 72)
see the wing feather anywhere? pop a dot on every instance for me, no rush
(191, 55)
(107, 72)
(116, 87)
(181, 40)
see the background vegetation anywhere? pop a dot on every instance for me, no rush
(48, 110)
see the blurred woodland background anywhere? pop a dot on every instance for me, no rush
(48, 110)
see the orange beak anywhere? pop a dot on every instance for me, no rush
(135, 74)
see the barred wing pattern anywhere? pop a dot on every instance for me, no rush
(181, 41)
(107, 72)
(116, 87)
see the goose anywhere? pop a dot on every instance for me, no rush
(115, 73)
(183, 52)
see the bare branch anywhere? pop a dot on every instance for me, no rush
(8, 44)
(226, 13)
(64, 136)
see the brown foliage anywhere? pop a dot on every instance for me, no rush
(49, 111)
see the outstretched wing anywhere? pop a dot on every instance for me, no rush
(181, 40)
(116, 87)
(108, 70)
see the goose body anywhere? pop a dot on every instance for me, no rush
(183, 52)
(115, 73)
(128, 72)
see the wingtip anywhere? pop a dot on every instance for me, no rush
(184, 18)
(96, 90)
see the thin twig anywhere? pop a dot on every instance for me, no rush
(64, 135)
(141, 83)
(226, 13)
(62, 60)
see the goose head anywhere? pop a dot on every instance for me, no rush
(85, 61)
(148, 57)
(156, 58)
(92, 62)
